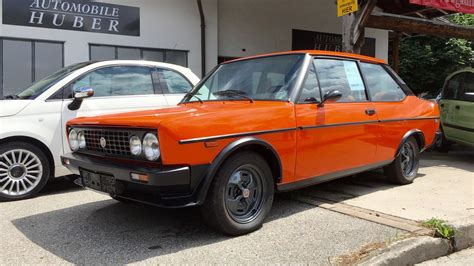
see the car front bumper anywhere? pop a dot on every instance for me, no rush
(172, 187)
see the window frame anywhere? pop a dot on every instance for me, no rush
(33, 60)
(392, 76)
(445, 87)
(314, 58)
(142, 49)
(158, 90)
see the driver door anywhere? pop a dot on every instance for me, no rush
(337, 136)
(116, 89)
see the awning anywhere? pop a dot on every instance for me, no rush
(462, 6)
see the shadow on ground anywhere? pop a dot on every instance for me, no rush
(111, 232)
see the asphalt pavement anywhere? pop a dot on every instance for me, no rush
(70, 225)
(66, 224)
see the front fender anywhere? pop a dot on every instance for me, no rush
(228, 151)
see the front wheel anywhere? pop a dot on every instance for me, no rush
(404, 169)
(24, 171)
(241, 195)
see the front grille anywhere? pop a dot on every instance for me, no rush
(116, 141)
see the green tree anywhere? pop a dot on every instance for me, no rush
(426, 61)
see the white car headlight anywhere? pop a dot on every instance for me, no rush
(73, 141)
(81, 139)
(151, 147)
(135, 145)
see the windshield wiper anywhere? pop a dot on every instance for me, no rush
(233, 93)
(193, 95)
(11, 97)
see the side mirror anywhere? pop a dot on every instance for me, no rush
(79, 95)
(330, 96)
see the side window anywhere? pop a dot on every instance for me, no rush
(468, 87)
(452, 89)
(175, 82)
(382, 87)
(310, 88)
(343, 76)
(118, 81)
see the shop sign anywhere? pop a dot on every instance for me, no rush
(78, 15)
(345, 7)
(463, 6)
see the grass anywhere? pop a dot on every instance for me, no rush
(441, 228)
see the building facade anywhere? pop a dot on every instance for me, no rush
(37, 37)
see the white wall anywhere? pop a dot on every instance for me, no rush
(264, 26)
(167, 24)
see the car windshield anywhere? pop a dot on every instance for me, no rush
(37, 88)
(267, 78)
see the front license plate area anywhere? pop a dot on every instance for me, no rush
(100, 182)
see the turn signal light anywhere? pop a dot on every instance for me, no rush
(140, 177)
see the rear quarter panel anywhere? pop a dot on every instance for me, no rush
(398, 118)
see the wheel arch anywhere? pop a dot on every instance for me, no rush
(419, 137)
(258, 145)
(36, 143)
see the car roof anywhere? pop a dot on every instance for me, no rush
(468, 69)
(138, 62)
(319, 53)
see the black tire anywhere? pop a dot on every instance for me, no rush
(217, 210)
(40, 164)
(402, 171)
(443, 144)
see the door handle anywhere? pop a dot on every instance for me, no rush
(458, 107)
(370, 112)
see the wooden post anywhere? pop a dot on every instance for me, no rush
(396, 53)
(353, 31)
(347, 44)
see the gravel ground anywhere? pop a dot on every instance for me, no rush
(70, 225)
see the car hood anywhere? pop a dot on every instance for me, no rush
(183, 113)
(12, 107)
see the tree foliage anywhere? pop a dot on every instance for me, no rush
(426, 61)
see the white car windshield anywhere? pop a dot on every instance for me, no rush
(37, 88)
(267, 78)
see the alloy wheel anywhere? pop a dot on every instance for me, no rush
(20, 172)
(244, 194)
(408, 163)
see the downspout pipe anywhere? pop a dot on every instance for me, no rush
(203, 38)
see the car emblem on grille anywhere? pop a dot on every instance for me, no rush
(103, 142)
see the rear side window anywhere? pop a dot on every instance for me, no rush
(452, 91)
(382, 87)
(117, 81)
(468, 87)
(173, 82)
(343, 76)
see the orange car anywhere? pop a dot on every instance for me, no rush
(253, 127)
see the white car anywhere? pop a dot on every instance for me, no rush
(32, 123)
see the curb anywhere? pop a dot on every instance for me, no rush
(422, 248)
(464, 237)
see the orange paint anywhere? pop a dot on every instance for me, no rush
(316, 141)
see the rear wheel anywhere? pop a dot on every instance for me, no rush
(24, 171)
(240, 196)
(404, 169)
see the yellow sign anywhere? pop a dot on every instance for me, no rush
(345, 7)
